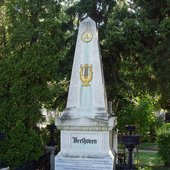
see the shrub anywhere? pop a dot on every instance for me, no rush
(140, 112)
(164, 145)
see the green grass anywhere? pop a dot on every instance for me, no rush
(150, 161)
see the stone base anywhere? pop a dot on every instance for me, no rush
(84, 163)
(52, 150)
(89, 146)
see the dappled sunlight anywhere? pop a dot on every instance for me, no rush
(150, 161)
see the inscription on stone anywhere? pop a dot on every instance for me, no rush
(86, 143)
(84, 140)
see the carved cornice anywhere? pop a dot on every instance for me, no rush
(85, 128)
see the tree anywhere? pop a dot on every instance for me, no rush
(140, 112)
(129, 53)
(37, 43)
(3, 33)
(29, 76)
(137, 39)
(163, 141)
(158, 13)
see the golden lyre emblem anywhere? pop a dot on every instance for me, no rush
(86, 74)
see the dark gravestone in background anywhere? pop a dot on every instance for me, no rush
(2, 136)
(167, 117)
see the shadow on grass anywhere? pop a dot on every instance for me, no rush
(160, 168)
(150, 161)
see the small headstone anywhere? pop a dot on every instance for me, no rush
(2, 136)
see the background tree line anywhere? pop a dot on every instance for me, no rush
(37, 43)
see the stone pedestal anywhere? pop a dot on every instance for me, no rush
(51, 149)
(88, 146)
(81, 163)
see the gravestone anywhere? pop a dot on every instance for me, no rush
(88, 141)
(167, 117)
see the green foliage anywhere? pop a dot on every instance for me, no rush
(29, 76)
(159, 15)
(133, 39)
(37, 43)
(127, 37)
(136, 50)
(97, 10)
(164, 146)
(139, 112)
(137, 39)
(162, 68)
(20, 145)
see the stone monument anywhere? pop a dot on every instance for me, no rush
(88, 141)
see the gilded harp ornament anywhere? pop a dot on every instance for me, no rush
(86, 74)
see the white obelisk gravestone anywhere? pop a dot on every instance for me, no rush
(88, 141)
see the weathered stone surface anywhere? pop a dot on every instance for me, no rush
(68, 163)
(87, 101)
(87, 137)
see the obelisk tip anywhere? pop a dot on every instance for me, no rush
(88, 19)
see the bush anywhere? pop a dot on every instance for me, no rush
(164, 145)
(20, 145)
(140, 112)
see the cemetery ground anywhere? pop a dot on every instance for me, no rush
(147, 157)
(149, 160)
